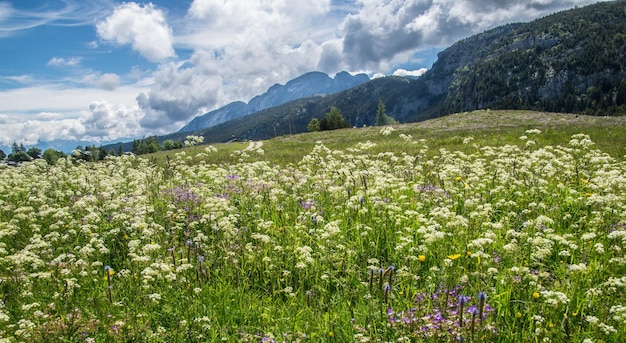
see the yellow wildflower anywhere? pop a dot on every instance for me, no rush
(421, 258)
(454, 256)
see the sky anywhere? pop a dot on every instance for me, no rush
(102, 71)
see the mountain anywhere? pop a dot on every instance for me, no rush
(573, 61)
(313, 83)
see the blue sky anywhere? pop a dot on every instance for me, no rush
(100, 71)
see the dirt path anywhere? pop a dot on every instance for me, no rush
(254, 145)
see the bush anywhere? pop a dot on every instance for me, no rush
(314, 125)
(333, 120)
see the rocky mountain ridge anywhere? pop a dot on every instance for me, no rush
(309, 84)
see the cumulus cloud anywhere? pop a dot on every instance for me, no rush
(178, 93)
(110, 121)
(102, 122)
(235, 15)
(413, 73)
(69, 114)
(144, 27)
(273, 39)
(61, 61)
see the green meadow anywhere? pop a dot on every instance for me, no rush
(489, 226)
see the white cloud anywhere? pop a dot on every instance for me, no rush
(106, 121)
(22, 79)
(54, 98)
(58, 13)
(144, 27)
(254, 44)
(5, 11)
(31, 132)
(236, 15)
(4, 118)
(107, 81)
(47, 116)
(178, 93)
(414, 73)
(102, 122)
(60, 61)
(240, 49)
(274, 39)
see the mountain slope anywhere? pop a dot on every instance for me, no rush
(313, 83)
(572, 61)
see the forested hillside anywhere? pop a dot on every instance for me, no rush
(572, 61)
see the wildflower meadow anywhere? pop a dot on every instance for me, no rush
(498, 243)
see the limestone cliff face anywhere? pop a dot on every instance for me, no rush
(556, 63)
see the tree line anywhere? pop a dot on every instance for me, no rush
(20, 154)
(151, 144)
(334, 120)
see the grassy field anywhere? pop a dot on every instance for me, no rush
(489, 226)
(484, 127)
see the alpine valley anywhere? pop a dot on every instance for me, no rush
(572, 61)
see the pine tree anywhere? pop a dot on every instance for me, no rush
(382, 118)
(314, 125)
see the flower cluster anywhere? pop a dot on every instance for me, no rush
(444, 314)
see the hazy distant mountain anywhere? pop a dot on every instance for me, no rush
(313, 83)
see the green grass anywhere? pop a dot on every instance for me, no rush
(362, 237)
(485, 127)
